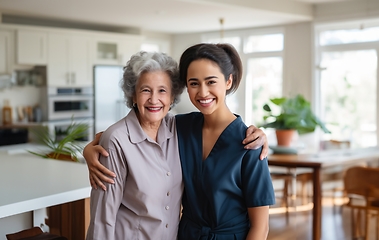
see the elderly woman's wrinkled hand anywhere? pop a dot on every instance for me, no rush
(255, 138)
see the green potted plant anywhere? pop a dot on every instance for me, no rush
(295, 115)
(64, 146)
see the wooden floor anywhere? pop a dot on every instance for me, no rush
(335, 224)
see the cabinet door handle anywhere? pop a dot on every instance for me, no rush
(68, 78)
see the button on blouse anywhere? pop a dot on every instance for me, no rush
(146, 196)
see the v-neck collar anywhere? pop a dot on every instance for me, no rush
(219, 140)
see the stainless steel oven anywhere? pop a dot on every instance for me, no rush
(67, 103)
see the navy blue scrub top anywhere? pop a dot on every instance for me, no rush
(218, 190)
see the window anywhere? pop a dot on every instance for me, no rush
(348, 95)
(349, 36)
(264, 81)
(264, 43)
(235, 41)
(264, 67)
(261, 53)
(347, 81)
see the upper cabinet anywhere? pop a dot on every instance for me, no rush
(69, 55)
(5, 52)
(116, 51)
(31, 47)
(69, 60)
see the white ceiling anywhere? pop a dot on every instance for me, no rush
(169, 16)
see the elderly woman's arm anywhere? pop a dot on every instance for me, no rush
(98, 174)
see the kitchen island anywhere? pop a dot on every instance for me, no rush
(30, 184)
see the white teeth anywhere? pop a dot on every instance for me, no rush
(205, 101)
(154, 108)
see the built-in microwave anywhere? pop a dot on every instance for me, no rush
(67, 103)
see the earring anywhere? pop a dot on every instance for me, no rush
(134, 105)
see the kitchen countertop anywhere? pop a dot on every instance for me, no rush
(23, 125)
(29, 183)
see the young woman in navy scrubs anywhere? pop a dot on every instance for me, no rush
(227, 189)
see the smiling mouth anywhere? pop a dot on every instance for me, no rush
(207, 101)
(154, 108)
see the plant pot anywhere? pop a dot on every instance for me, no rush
(284, 137)
(65, 157)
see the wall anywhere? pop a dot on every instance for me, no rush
(15, 223)
(346, 10)
(19, 96)
(298, 66)
(162, 39)
(297, 72)
(297, 69)
(179, 44)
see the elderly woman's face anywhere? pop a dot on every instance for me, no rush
(153, 96)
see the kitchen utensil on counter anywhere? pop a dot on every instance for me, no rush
(37, 113)
(7, 113)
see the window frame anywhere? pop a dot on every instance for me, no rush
(319, 50)
(243, 96)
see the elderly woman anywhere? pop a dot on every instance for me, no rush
(144, 201)
(141, 152)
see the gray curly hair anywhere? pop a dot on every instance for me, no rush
(143, 62)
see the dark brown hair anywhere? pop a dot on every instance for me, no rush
(224, 55)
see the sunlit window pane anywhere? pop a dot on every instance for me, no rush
(264, 81)
(349, 36)
(235, 41)
(264, 43)
(348, 96)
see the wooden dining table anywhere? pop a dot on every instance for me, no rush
(319, 161)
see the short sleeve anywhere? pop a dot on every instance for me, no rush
(256, 180)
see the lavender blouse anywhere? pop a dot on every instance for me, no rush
(144, 202)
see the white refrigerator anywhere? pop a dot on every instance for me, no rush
(109, 104)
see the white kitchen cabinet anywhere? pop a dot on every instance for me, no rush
(5, 52)
(69, 60)
(31, 47)
(115, 50)
(128, 47)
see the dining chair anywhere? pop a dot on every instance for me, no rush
(333, 177)
(34, 233)
(361, 185)
(290, 178)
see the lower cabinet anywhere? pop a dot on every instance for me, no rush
(70, 220)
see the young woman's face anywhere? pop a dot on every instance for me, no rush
(153, 96)
(206, 85)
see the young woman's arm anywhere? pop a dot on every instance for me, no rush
(259, 223)
(98, 174)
